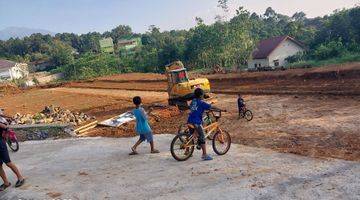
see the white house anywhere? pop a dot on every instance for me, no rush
(10, 70)
(272, 52)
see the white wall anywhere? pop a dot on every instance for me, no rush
(19, 71)
(262, 62)
(285, 49)
(4, 75)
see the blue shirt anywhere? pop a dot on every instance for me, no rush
(197, 108)
(142, 124)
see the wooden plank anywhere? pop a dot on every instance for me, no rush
(86, 129)
(85, 133)
(85, 126)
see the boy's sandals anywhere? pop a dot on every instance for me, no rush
(206, 158)
(20, 183)
(133, 152)
(155, 151)
(3, 187)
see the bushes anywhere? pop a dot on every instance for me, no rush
(329, 50)
(346, 57)
(297, 57)
(90, 66)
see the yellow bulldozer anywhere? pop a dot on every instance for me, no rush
(180, 87)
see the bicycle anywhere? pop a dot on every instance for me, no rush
(9, 135)
(183, 145)
(245, 113)
(207, 120)
(11, 140)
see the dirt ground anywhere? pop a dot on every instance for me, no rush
(320, 126)
(300, 116)
(337, 79)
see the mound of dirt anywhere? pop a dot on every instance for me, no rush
(134, 77)
(163, 120)
(9, 89)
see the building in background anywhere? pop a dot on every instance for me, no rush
(10, 70)
(272, 53)
(107, 45)
(128, 46)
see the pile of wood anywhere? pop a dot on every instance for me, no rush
(52, 114)
(82, 131)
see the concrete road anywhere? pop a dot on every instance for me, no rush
(100, 168)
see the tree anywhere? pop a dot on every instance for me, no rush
(61, 53)
(299, 16)
(354, 17)
(270, 13)
(199, 20)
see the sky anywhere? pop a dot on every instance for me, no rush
(82, 16)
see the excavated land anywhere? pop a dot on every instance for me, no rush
(332, 80)
(312, 112)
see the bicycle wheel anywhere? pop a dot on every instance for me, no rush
(14, 145)
(248, 115)
(182, 147)
(221, 142)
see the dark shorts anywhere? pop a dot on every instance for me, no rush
(199, 129)
(146, 136)
(4, 154)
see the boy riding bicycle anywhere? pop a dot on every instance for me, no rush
(197, 108)
(241, 104)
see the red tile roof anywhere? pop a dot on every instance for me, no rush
(6, 64)
(265, 47)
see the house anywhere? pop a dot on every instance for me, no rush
(127, 46)
(107, 45)
(272, 53)
(10, 70)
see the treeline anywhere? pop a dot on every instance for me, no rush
(226, 43)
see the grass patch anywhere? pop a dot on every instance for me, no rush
(349, 57)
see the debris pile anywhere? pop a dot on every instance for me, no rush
(52, 114)
(163, 119)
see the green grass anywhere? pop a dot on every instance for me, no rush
(349, 57)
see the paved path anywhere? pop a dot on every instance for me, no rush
(99, 168)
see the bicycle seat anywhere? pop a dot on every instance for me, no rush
(191, 126)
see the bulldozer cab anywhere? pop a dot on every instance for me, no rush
(178, 76)
(180, 87)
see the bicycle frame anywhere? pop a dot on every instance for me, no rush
(208, 129)
(12, 135)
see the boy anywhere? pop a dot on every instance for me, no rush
(142, 127)
(5, 158)
(197, 108)
(241, 104)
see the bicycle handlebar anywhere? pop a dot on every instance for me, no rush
(217, 110)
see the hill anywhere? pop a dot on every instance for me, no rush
(20, 32)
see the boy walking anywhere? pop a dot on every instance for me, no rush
(142, 127)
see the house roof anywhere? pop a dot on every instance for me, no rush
(6, 64)
(266, 47)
